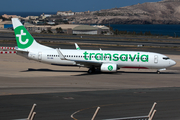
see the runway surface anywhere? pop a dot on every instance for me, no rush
(61, 91)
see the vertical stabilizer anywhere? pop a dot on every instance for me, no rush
(23, 38)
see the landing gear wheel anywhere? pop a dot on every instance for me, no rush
(91, 70)
(158, 72)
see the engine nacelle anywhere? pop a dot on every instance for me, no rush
(108, 67)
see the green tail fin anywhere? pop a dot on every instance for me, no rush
(23, 37)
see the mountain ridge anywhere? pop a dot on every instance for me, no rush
(162, 12)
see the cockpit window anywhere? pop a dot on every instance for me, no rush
(166, 58)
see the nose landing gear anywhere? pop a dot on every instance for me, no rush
(158, 71)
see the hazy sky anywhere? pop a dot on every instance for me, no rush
(64, 5)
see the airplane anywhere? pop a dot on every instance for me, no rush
(103, 60)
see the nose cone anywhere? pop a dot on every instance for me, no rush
(172, 63)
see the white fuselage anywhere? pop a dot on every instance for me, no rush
(123, 59)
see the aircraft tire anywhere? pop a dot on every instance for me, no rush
(158, 72)
(91, 70)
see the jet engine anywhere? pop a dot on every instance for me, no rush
(108, 67)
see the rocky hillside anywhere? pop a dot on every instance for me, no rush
(163, 12)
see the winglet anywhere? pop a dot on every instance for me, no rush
(77, 47)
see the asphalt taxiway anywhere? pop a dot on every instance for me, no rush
(106, 40)
(61, 91)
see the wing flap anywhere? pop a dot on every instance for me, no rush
(87, 63)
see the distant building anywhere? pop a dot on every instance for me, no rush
(32, 17)
(46, 15)
(43, 16)
(6, 24)
(50, 23)
(79, 13)
(86, 29)
(65, 13)
(77, 29)
(36, 28)
(103, 28)
(67, 28)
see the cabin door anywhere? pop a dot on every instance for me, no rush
(155, 59)
(40, 56)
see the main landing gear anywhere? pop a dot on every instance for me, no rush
(158, 72)
(91, 70)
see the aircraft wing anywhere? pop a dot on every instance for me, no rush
(87, 63)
